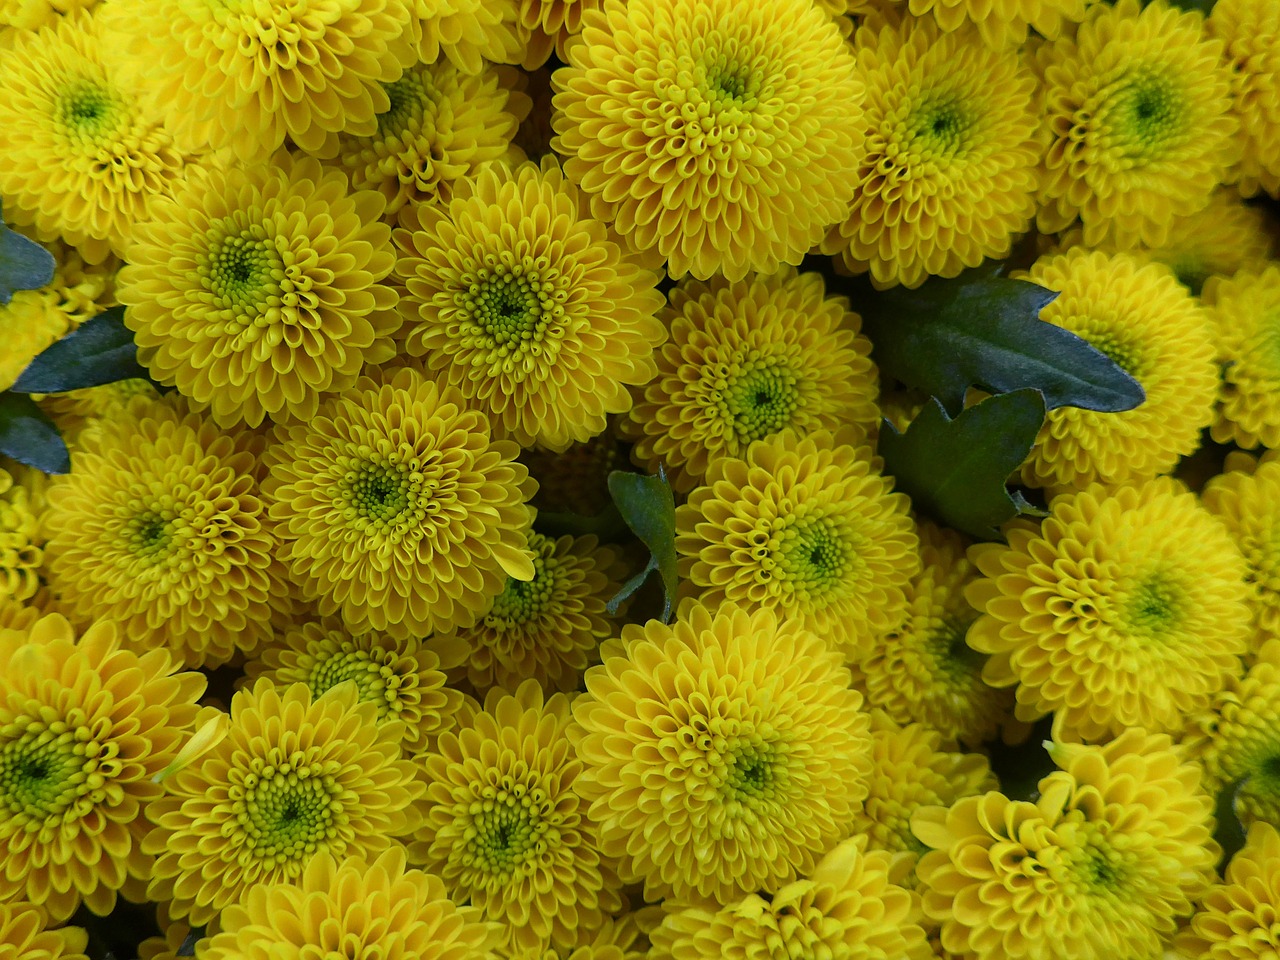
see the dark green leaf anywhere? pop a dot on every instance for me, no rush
(100, 350)
(985, 330)
(649, 508)
(24, 264)
(30, 437)
(955, 470)
(1230, 833)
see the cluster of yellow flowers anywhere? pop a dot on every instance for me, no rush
(288, 655)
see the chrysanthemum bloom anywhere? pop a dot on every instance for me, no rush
(23, 935)
(547, 25)
(352, 907)
(1251, 31)
(467, 32)
(397, 510)
(85, 160)
(442, 125)
(294, 776)
(245, 76)
(1137, 108)
(527, 305)
(1004, 23)
(948, 175)
(1237, 740)
(1102, 866)
(256, 289)
(21, 537)
(1126, 608)
(1236, 920)
(84, 726)
(725, 753)
(911, 769)
(719, 134)
(1151, 326)
(1248, 501)
(160, 526)
(807, 528)
(746, 361)
(503, 827)
(1244, 309)
(853, 906)
(404, 678)
(922, 671)
(547, 628)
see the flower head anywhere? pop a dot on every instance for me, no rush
(948, 175)
(853, 906)
(370, 907)
(527, 305)
(1137, 108)
(716, 133)
(723, 754)
(160, 526)
(256, 289)
(84, 726)
(1250, 29)
(922, 671)
(442, 125)
(245, 76)
(746, 361)
(23, 935)
(294, 777)
(807, 528)
(1126, 608)
(1151, 326)
(1235, 920)
(85, 160)
(397, 510)
(503, 827)
(1245, 310)
(404, 678)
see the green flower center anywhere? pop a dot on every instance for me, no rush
(814, 557)
(87, 110)
(751, 773)
(508, 834)
(380, 493)
(371, 671)
(53, 771)
(1122, 351)
(289, 810)
(728, 80)
(950, 656)
(242, 270)
(940, 126)
(409, 96)
(523, 602)
(762, 399)
(1153, 607)
(1145, 115)
(149, 535)
(514, 316)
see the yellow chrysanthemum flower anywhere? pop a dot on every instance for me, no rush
(853, 906)
(293, 777)
(22, 505)
(1245, 310)
(84, 159)
(1101, 866)
(85, 725)
(397, 510)
(467, 32)
(526, 305)
(1251, 31)
(504, 829)
(404, 678)
(23, 935)
(746, 361)
(245, 76)
(1003, 23)
(724, 753)
(922, 671)
(257, 289)
(948, 175)
(1237, 740)
(1137, 109)
(442, 125)
(910, 769)
(1151, 326)
(807, 528)
(1126, 608)
(160, 527)
(547, 628)
(352, 907)
(1236, 920)
(1248, 501)
(717, 133)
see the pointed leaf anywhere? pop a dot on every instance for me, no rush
(30, 437)
(985, 330)
(955, 470)
(649, 508)
(24, 264)
(100, 350)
